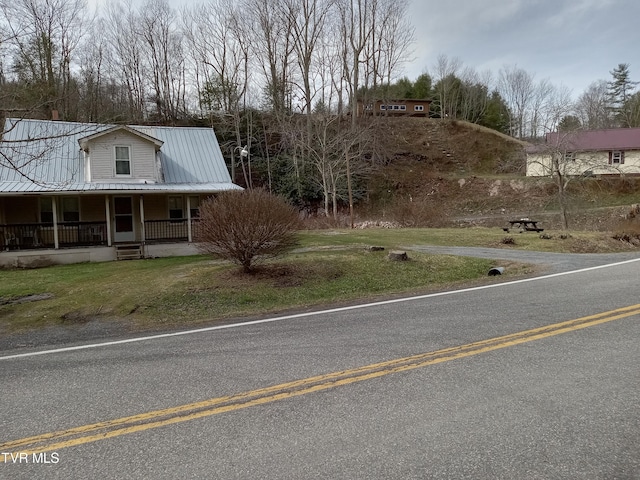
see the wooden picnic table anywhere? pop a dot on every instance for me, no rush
(524, 225)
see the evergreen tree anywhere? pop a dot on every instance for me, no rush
(569, 123)
(620, 91)
(496, 115)
(422, 87)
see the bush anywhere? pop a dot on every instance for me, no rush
(247, 227)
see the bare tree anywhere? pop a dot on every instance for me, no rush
(163, 49)
(126, 56)
(219, 50)
(536, 111)
(271, 38)
(43, 35)
(308, 21)
(446, 71)
(593, 107)
(558, 105)
(389, 45)
(356, 21)
(517, 89)
(395, 40)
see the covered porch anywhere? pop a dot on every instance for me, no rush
(57, 222)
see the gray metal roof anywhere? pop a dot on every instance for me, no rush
(45, 157)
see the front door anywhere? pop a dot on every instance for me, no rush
(123, 219)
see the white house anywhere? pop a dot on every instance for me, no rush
(72, 192)
(592, 152)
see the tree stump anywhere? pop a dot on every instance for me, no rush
(398, 256)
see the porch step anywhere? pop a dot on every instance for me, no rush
(129, 251)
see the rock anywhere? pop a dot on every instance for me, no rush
(372, 248)
(398, 256)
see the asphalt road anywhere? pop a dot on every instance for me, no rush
(354, 393)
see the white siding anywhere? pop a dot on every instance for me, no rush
(595, 162)
(102, 157)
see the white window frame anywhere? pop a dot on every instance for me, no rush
(617, 157)
(118, 160)
(418, 108)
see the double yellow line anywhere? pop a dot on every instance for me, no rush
(137, 423)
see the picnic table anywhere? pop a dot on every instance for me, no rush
(524, 225)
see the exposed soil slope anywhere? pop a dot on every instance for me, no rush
(444, 173)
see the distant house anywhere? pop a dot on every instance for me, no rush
(89, 192)
(591, 152)
(405, 107)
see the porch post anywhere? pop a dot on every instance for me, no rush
(142, 232)
(107, 211)
(189, 235)
(54, 207)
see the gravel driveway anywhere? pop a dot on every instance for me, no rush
(557, 262)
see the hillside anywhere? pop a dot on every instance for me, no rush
(444, 173)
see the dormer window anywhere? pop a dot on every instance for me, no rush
(123, 160)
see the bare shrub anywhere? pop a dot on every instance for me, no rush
(247, 227)
(508, 241)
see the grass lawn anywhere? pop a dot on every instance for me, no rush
(330, 267)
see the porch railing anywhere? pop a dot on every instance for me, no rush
(41, 235)
(175, 230)
(21, 236)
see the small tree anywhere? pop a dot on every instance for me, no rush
(247, 227)
(620, 91)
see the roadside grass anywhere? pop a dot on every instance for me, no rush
(331, 267)
(559, 241)
(310, 279)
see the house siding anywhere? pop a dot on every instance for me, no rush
(80, 163)
(597, 163)
(102, 157)
(409, 104)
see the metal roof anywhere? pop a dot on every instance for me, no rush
(45, 157)
(591, 140)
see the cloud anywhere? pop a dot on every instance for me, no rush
(570, 42)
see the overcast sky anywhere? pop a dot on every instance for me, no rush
(569, 42)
